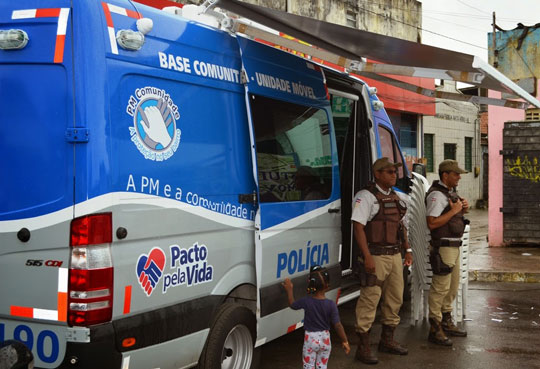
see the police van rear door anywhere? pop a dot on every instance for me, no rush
(296, 170)
(36, 189)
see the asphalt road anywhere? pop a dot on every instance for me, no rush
(503, 324)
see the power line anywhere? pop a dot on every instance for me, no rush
(480, 17)
(455, 24)
(452, 14)
(470, 6)
(422, 29)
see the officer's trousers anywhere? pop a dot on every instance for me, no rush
(389, 269)
(444, 288)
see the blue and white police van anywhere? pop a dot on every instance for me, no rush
(150, 205)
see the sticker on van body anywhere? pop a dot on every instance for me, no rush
(155, 115)
(150, 269)
(187, 267)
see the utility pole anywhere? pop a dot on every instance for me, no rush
(494, 44)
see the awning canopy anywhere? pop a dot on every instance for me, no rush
(400, 56)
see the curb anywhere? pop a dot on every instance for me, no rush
(499, 276)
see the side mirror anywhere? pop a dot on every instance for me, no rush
(420, 169)
(14, 354)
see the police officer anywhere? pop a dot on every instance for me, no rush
(444, 210)
(380, 235)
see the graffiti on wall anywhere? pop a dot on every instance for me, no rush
(524, 168)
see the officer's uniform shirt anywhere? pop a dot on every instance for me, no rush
(366, 206)
(436, 202)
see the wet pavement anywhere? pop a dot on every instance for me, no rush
(503, 322)
(503, 319)
(499, 264)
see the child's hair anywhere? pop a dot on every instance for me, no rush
(318, 279)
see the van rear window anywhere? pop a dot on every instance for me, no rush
(293, 151)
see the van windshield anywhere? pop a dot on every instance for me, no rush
(293, 150)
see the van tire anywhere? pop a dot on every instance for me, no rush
(230, 343)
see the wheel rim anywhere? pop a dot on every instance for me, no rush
(237, 349)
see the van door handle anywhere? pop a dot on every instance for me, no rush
(334, 210)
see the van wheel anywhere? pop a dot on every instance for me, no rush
(230, 342)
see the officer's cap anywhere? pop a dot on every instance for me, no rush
(450, 165)
(383, 163)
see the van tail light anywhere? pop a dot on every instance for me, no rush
(91, 277)
(91, 230)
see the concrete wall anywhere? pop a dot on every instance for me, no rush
(333, 11)
(272, 4)
(397, 18)
(407, 17)
(516, 61)
(453, 122)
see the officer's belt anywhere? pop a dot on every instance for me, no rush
(384, 250)
(445, 243)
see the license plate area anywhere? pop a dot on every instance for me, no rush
(46, 341)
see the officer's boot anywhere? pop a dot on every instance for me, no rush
(363, 353)
(450, 328)
(436, 334)
(387, 343)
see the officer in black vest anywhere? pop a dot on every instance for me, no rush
(377, 218)
(444, 211)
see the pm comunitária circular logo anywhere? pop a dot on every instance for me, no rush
(154, 131)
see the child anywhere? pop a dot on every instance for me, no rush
(320, 314)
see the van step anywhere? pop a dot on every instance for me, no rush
(350, 289)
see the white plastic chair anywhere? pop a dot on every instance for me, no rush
(419, 237)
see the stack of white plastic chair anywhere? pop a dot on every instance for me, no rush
(419, 238)
(460, 303)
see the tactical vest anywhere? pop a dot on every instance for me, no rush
(383, 229)
(456, 225)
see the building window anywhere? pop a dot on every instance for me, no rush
(407, 136)
(351, 16)
(406, 128)
(468, 154)
(450, 151)
(428, 151)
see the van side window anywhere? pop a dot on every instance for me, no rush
(390, 149)
(293, 151)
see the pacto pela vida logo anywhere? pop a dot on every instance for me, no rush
(189, 266)
(155, 116)
(150, 269)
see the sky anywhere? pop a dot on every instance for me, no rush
(469, 21)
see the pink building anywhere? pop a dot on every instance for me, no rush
(496, 118)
